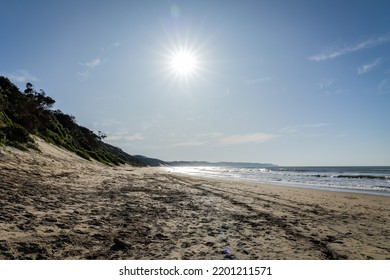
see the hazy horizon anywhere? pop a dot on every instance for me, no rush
(292, 83)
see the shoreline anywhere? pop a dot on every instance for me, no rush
(279, 183)
(55, 205)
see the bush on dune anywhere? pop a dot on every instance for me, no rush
(29, 112)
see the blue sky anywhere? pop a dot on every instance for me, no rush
(285, 82)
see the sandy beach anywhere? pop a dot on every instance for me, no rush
(55, 205)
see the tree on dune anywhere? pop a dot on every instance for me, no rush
(30, 112)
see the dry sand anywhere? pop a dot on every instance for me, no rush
(55, 205)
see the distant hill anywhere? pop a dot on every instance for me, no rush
(227, 164)
(150, 161)
(157, 162)
(29, 113)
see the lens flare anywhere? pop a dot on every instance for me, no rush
(183, 63)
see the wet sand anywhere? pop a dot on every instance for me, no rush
(55, 205)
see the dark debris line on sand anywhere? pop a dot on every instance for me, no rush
(275, 221)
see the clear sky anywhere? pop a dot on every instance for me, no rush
(285, 82)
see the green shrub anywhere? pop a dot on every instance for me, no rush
(4, 120)
(55, 138)
(83, 154)
(2, 137)
(33, 146)
(16, 133)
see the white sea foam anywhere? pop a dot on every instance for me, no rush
(355, 179)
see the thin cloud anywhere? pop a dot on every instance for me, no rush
(190, 143)
(84, 75)
(331, 54)
(154, 121)
(297, 128)
(110, 47)
(211, 135)
(201, 139)
(384, 86)
(21, 76)
(134, 137)
(258, 80)
(326, 83)
(365, 68)
(92, 64)
(124, 135)
(247, 138)
(88, 67)
(216, 139)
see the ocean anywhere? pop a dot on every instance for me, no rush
(373, 180)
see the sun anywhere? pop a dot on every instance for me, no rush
(183, 63)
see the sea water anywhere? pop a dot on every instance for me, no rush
(374, 180)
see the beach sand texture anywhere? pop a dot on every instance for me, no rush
(55, 205)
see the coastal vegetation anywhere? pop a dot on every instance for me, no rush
(29, 112)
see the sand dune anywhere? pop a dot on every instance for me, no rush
(55, 205)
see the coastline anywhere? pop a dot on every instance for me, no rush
(55, 205)
(300, 181)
